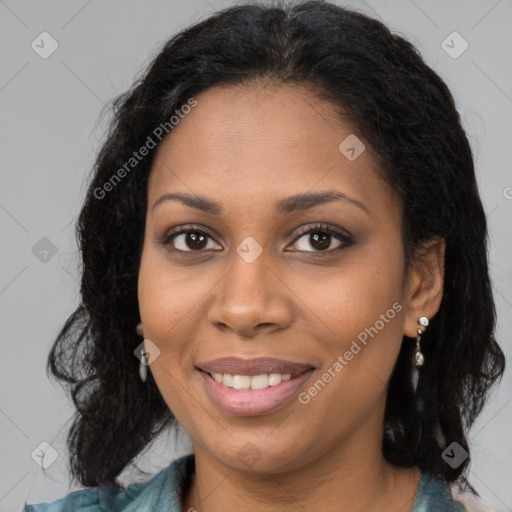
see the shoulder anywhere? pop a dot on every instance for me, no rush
(83, 500)
(162, 490)
(469, 501)
(435, 494)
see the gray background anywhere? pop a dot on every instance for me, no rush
(51, 132)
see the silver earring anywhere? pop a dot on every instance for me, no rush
(419, 358)
(143, 370)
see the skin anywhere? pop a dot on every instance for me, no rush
(245, 147)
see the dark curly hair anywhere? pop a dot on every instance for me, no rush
(404, 111)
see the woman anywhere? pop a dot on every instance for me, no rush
(284, 226)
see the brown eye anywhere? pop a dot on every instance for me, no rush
(189, 240)
(320, 239)
(194, 241)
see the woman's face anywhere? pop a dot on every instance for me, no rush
(258, 287)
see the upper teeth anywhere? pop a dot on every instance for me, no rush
(251, 381)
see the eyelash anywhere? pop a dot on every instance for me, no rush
(337, 233)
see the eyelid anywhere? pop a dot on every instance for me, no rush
(168, 236)
(344, 237)
(326, 228)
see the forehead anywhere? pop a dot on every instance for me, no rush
(249, 143)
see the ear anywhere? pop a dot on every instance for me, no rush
(424, 284)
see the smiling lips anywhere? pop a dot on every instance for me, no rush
(246, 387)
(258, 373)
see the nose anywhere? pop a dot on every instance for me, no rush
(251, 299)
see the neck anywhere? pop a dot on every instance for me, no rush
(352, 477)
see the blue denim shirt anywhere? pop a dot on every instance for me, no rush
(163, 493)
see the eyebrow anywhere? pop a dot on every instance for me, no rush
(287, 205)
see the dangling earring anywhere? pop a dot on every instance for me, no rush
(143, 370)
(419, 358)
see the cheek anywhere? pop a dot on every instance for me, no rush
(355, 295)
(165, 304)
(169, 305)
(166, 297)
(359, 310)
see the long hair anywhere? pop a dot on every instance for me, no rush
(406, 113)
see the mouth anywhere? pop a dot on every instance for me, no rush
(254, 393)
